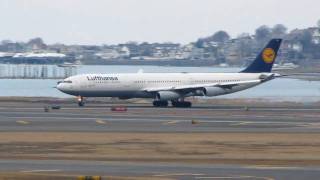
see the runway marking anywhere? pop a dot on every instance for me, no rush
(145, 116)
(241, 123)
(311, 125)
(171, 122)
(177, 174)
(48, 117)
(235, 122)
(101, 122)
(197, 108)
(110, 115)
(235, 177)
(23, 122)
(41, 170)
(273, 167)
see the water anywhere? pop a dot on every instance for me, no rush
(278, 89)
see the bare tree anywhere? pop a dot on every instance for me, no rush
(220, 36)
(243, 35)
(279, 30)
(199, 43)
(38, 42)
(306, 39)
(263, 34)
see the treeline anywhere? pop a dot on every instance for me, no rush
(299, 45)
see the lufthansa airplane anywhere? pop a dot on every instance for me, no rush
(173, 87)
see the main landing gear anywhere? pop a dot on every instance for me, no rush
(185, 104)
(160, 103)
(175, 103)
(81, 101)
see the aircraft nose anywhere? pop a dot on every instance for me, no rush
(63, 87)
(67, 85)
(60, 86)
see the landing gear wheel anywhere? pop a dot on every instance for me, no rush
(160, 103)
(185, 104)
(81, 101)
(81, 104)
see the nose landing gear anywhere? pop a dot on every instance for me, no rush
(81, 101)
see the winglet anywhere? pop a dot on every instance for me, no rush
(265, 60)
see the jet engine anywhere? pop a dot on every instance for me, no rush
(167, 95)
(214, 91)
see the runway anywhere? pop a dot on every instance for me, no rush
(96, 121)
(149, 119)
(160, 170)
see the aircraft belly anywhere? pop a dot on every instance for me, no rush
(125, 94)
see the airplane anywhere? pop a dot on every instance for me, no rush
(173, 87)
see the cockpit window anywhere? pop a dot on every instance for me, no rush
(64, 82)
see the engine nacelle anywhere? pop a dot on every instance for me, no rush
(214, 91)
(167, 95)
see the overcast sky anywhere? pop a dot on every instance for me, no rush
(119, 21)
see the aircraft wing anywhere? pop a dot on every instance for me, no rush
(198, 86)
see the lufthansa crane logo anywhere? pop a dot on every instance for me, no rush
(268, 55)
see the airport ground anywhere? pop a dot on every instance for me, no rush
(216, 139)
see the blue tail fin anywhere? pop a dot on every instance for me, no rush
(264, 61)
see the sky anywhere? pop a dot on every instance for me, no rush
(99, 22)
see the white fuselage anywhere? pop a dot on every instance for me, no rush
(145, 85)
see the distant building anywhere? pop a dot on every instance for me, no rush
(6, 55)
(196, 53)
(292, 41)
(39, 55)
(108, 53)
(295, 46)
(315, 32)
(124, 52)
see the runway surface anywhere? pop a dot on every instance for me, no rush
(200, 119)
(160, 170)
(148, 119)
